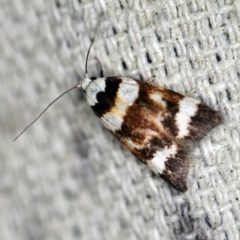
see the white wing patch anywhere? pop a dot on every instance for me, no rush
(126, 96)
(127, 92)
(187, 109)
(158, 98)
(157, 164)
(111, 121)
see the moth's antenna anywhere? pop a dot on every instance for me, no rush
(78, 86)
(94, 36)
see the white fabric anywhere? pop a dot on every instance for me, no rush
(66, 177)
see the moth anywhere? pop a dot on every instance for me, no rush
(154, 123)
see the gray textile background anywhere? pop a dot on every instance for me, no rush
(67, 177)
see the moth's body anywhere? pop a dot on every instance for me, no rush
(154, 123)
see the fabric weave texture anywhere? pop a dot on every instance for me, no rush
(67, 177)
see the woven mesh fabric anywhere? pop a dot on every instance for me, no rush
(67, 177)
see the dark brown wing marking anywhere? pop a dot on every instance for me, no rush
(203, 122)
(176, 171)
(106, 99)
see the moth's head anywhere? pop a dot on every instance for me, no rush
(86, 81)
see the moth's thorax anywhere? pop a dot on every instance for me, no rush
(92, 86)
(85, 82)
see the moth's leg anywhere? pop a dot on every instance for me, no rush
(151, 79)
(101, 69)
(191, 94)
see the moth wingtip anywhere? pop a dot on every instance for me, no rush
(176, 171)
(179, 183)
(203, 122)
